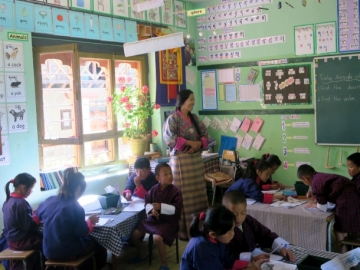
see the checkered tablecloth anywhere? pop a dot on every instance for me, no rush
(211, 164)
(120, 226)
(300, 253)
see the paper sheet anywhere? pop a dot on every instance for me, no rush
(250, 201)
(270, 191)
(258, 142)
(215, 123)
(274, 265)
(221, 92)
(334, 264)
(245, 126)
(251, 92)
(240, 140)
(226, 75)
(207, 121)
(135, 206)
(103, 221)
(230, 93)
(247, 141)
(190, 76)
(235, 124)
(289, 204)
(225, 124)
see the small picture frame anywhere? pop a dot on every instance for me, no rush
(65, 116)
(251, 77)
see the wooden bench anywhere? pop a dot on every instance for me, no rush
(13, 255)
(72, 264)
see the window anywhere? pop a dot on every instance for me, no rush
(77, 126)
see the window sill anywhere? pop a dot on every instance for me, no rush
(102, 172)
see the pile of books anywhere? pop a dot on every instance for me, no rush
(51, 180)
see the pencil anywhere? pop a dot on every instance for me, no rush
(289, 4)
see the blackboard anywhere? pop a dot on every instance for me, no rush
(337, 98)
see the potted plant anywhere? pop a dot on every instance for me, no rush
(134, 108)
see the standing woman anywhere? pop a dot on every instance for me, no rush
(187, 136)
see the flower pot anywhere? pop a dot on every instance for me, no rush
(138, 146)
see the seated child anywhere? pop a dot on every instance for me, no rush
(20, 221)
(275, 163)
(141, 181)
(207, 247)
(338, 190)
(256, 172)
(66, 232)
(353, 162)
(163, 204)
(250, 233)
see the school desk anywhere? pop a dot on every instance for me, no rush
(111, 234)
(299, 226)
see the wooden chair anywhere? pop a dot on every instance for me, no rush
(151, 243)
(13, 255)
(352, 240)
(72, 264)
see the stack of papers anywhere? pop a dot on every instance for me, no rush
(250, 201)
(136, 205)
(343, 261)
(102, 221)
(275, 265)
(271, 191)
(289, 204)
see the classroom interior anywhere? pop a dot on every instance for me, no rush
(294, 131)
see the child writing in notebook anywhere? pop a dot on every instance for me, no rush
(207, 247)
(353, 162)
(250, 185)
(141, 181)
(66, 232)
(338, 190)
(163, 204)
(20, 221)
(275, 162)
(250, 233)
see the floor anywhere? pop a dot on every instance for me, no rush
(155, 265)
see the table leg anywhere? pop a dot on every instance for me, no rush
(114, 261)
(329, 227)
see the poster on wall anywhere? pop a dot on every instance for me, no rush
(141, 16)
(81, 4)
(92, 26)
(63, 3)
(14, 56)
(106, 28)
(167, 13)
(24, 16)
(2, 88)
(180, 14)
(286, 85)
(153, 15)
(120, 8)
(209, 89)
(61, 22)
(102, 6)
(15, 87)
(3, 119)
(77, 24)
(6, 16)
(5, 157)
(131, 31)
(43, 19)
(304, 39)
(325, 37)
(348, 23)
(119, 30)
(17, 117)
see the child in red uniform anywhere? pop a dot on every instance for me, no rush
(250, 233)
(335, 189)
(256, 173)
(353, 162)
(20, 223)
(163, 204)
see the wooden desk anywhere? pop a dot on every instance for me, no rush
(299, 226)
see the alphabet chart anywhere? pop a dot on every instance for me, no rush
(325, 37)
(17, 117)
(304, 39)
(348, 18)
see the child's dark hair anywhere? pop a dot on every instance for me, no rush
(234, 197)
(274, 160)
(254, 165)
(71, 181)
(142, 163)
(21, 179)
(160, 166)
(354, 158)
(305, 170)
(182, 96)
(217, 218)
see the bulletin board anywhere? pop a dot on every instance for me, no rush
(286, 85)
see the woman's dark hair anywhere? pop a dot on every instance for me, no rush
(254, 165)
(21, 179)
(142, 163)
(274, 160)
(160, 166)
(182, 96)
(354, 158)
(305, 170)
(71, 181)
(218, 219)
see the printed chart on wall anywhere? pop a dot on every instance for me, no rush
(5, 155)
(304, 39)
(295, 130)
(325, 37)
(286, 85)
(348, 23)
(14, 56)
(209, 89)
(17, 117)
